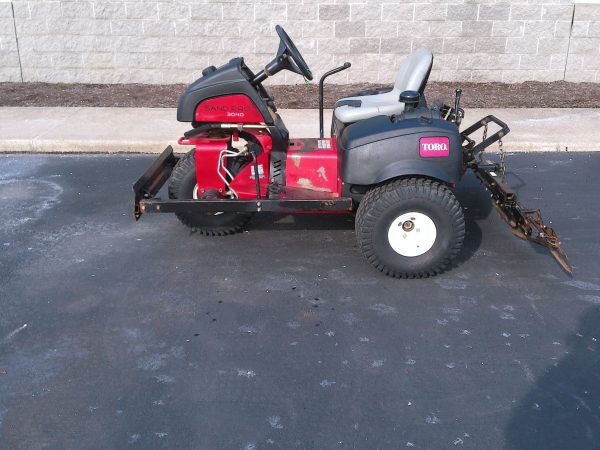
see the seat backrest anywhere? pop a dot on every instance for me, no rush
(414, 71)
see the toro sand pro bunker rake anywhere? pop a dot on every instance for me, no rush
(392, 159)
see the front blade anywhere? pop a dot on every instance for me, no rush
(152, 180)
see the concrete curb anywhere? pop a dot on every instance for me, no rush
(89, 146)
(150, 130)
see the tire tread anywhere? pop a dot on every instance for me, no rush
(381, 197)
(182, 169)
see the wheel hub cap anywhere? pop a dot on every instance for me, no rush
(412, 234)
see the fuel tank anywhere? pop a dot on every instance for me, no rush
(417, 142)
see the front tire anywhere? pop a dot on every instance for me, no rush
(183, 185)
(410, 228)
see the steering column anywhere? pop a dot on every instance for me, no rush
(288, 57)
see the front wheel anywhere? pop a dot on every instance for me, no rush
(182, 185)
(410, 228)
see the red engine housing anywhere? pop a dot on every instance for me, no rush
(313, 166)
(208, 152)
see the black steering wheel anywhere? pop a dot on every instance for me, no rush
(288, 57)
(288, 50)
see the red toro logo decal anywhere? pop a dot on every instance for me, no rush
(434, 147)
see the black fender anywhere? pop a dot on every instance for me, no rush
(398, 170)
(378, 149)
(413, 168)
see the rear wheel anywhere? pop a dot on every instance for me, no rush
(183, 185)
(410, 228)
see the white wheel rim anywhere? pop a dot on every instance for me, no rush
(412, 234)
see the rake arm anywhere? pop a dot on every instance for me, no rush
(524, 223)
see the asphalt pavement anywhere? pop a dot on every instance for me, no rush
(116, 334)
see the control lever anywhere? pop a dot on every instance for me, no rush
(321, 81)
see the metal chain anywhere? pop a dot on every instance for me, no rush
(502, 163)
(502, 159)
(485, 130)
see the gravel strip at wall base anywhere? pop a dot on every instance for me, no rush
(531, 94)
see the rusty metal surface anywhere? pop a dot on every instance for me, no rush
(525, 223)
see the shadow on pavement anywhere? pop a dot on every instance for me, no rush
(290, 222)
(562, 410)
(470, 193)
(473, 197)
(473, 237)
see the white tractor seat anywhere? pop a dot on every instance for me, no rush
(411, 76)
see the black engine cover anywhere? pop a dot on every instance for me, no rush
(381, 148)
(231, 78)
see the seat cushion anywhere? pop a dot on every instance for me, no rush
(348, 114)
(414, 71)
(412, 75)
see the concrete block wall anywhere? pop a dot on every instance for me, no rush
(9, 55)
(583, 62)
(170, 41)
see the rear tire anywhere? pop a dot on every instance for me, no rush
(410, 228)
(182, 185)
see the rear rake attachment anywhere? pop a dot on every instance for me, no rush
(524, 223)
